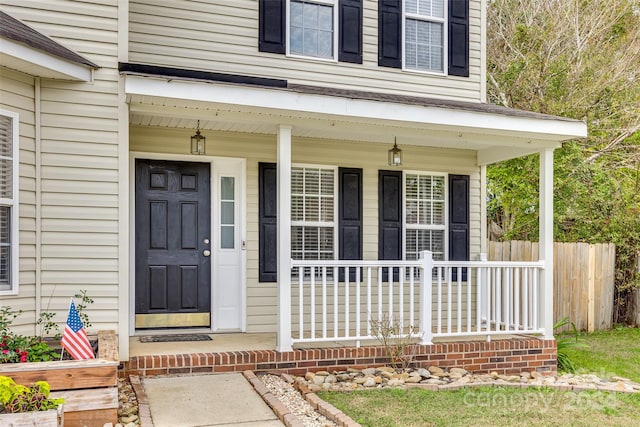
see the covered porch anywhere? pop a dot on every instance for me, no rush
(336, 303)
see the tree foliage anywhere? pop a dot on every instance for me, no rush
(579, 59)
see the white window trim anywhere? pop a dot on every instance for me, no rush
(14, 204)
(335, 204)
(420, 226)
(334, 4)
(445, 39)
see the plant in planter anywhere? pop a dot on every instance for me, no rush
(20, 404)
(16, 348)
(19, 398)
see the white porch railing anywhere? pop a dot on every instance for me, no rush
(347, 300)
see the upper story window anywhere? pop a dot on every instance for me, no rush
(323, 29)
(312, 28)
(313, 212)
(8, 202)
(424, 35)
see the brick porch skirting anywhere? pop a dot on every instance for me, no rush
(509, 356)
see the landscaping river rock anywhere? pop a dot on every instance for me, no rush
(436, 378)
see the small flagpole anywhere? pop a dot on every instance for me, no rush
(61, 354)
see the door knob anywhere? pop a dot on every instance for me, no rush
(206, 252)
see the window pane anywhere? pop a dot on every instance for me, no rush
(227, 213)
(296, 40)
(297, 208)
(311, 208)
(411, 6)
(326, 209)
(312, 181)
(6, 178)
(5, 244)
(325, 18)
(310, 15)
(227, 187)
(327, 181)
(227, 237)
(310, 42)
(6, 136)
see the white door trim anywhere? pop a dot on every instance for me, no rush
(212, 160)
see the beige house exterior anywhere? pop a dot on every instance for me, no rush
(148, 73)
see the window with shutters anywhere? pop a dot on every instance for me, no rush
(312, 28)
(8, 201)
(425, 214)
(313, 213)
(424, 35)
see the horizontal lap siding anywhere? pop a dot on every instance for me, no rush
(261, 297)
(225, 40)
(17, 95)
(79, 160)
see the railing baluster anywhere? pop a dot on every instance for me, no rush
(479, 287)
(380, 269)
(347, 305)
(440, 271)
(498, 295)
(490, 298)
(516, 299)
(313, 302)
(507, 297)
(469, 282)
(390, 302)
(301, 302)
(535, 307)
(525, 298)
(358, 302)
(324, 302)
(459, 302)
(412, 319)
(449, 271)
(369, 314)
(401, 272)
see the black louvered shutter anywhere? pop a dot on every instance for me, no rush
(350, 31)
(389, 216)
(459, 38)
(459, 221)
(390, 33)
(350, 216)
(267, 222)
(272, 26)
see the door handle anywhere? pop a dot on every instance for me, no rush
(206, 252)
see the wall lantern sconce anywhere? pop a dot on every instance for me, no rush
(395, 155)
(198, 142)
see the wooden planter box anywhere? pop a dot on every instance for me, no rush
(50, 418)
(89, 387)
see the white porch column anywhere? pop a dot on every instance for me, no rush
(426, 289)
(546, 241)
(284, 239)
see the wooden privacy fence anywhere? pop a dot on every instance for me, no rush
(583, 279)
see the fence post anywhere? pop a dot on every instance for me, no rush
(426, 286)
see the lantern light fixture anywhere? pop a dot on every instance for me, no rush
(198, 142)
(395, 154)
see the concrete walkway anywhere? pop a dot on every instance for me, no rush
(206, 400)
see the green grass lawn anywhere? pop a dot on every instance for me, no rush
(615, 352)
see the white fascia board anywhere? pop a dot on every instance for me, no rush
(537, 128)
(56, 66)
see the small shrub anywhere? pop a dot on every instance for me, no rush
(15, 348)
(397, 344)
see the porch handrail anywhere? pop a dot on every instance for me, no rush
(338, 300)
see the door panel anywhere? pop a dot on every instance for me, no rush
(173, 274)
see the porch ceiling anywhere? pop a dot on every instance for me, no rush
(174, 103)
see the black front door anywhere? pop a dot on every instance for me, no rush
(173, 230)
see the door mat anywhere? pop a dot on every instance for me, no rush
(175, 338)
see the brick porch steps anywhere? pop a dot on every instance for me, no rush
(508, 356)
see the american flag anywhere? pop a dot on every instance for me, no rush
(74, 337)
